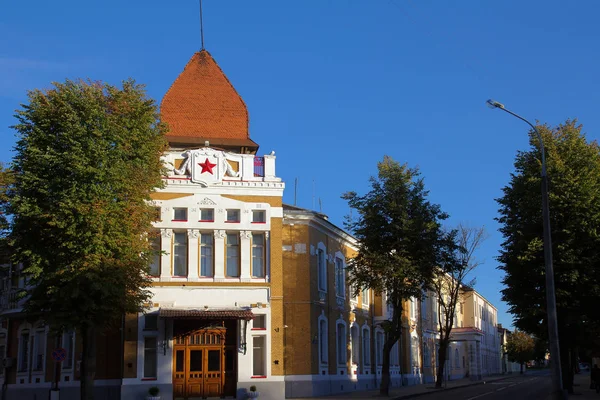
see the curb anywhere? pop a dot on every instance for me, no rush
(433, 391)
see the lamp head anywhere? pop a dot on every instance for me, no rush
(494, 104)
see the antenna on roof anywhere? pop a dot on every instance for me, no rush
(201, 29)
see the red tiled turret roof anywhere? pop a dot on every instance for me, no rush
(203, 105)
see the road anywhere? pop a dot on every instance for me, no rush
(530, 386)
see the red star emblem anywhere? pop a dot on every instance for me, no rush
(207, 166)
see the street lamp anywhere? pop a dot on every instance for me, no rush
(550, 295)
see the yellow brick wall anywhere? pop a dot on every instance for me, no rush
(277, 323)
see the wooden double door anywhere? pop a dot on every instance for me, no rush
(199, 364)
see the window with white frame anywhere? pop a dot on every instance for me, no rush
(39, 350)
(155, 257)
(68, 343)
(424, 306)
(259, 356)
(365, 297)
(340, 281)
(207, 215)
(456, 359)
(426, 355)
(414, 353)
(150, 357)
(322, 269)
(259, 322)
(206, 255)
(323, 341)
(233, 255)
(355, 343)
(379, 348)
(258, 255)
(341, 343)
(394, 356)
(180, 214)
(23, 360)
(259, 217)
(180, 253)
(413, 308)
(233, 216)
(366, 356)
(434, 302)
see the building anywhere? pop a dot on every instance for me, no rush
(246, 290)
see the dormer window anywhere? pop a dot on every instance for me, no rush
(180, 214)
(233, 216)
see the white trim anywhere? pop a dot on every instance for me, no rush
(344, 364)
(323, 342)
(340, 256)
(322, 286)
(366, 354)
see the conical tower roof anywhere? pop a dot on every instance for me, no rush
(202, 105)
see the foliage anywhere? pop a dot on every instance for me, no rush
(400, 242)
(253, 388)
(153, 391)
(458, 262)
(6, 179)
(520, 347)
(573, 166)
(87, 160)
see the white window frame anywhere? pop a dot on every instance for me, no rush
(263, 250)
(343, 360)
(323, 345)
(186, 252)
(379, 345)
(202, 245)
(340, 275)
(366, 347)
(264, 355)
(322, 267)
(354, 344)
(20, 369)
(64, 339)
(187, 214)
(363, 292)
(155, 337)
(35, 349)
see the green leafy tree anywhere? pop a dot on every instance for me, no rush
(520, 348)
(6, 179)
(573, 165)
(400, 242)
(450, 279)
(87, 160)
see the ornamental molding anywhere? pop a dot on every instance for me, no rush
(246, 235)
(166, 233)
(220, 234)
(207, 202)
(193, 233)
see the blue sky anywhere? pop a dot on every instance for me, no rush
(333, 85)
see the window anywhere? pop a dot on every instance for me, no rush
(365, 296)
(39, 349)
(151, 322)
(258, 256)
(340, 288)
(379, 348)
(322, 270)
(259, 217)
(155, 257)
(259, 322)
(233, 216)
(461, 308)
(68, 340)
(323, 341)
(394, 357)
(180, 253)
(24, 351)
(366, 347)
(2, 349)
(180, 214)
(413, 307)
(150, 357)
(426, 355)
(233, 255)
(258, 356)
(424, 306)
(414, 351)
(355, 343)
(435, 310)
(207, 215)
(456, 359)
(206, 255)
(341, 344)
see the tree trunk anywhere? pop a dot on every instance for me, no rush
(88, 363)
(385, 367)
(440, 368)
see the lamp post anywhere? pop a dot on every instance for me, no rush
(550, 294)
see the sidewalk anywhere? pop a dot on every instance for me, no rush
(582, 389)
(406, 392)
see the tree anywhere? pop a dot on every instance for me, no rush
(399, 243)
(6, 179)
(450, 280)
(87, 159)
(573, 166)
(520, 347)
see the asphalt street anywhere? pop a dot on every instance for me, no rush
(528, 387)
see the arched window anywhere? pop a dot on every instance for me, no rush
(341, 343)
(414, 354)
(322, 267)
(379, 348)
(366, 347)
(456, 359)
(355, 343)
(426, 355)
(323, 340)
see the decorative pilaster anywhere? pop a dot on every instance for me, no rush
(165, 258)
(193, 235)
(219, 254)
(267, 256)
(245, 256)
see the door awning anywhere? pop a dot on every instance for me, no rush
(206, 313)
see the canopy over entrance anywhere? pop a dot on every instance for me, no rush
(207, 313)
